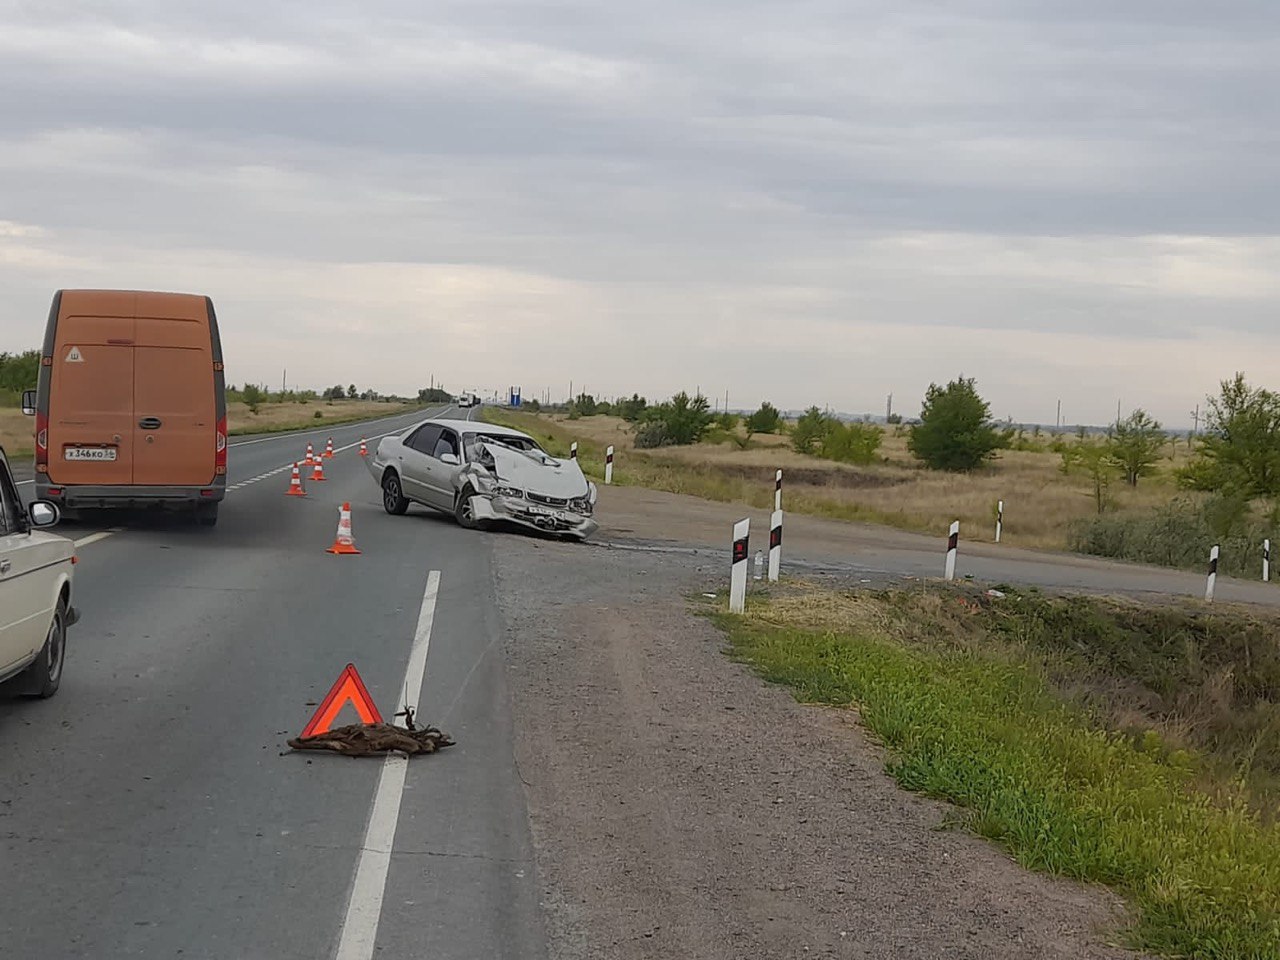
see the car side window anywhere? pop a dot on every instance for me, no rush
(447, 443)
(10, 509)
(424, 440)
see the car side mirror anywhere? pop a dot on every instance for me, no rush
(450, 458)
(42, 513)
(29, 402)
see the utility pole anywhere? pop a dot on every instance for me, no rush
(888, 409)
(1059, 425)
(726, 401)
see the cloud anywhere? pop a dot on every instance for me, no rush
(1067, 198)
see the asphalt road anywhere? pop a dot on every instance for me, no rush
(148, 811)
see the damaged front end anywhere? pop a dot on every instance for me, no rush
(531, 489)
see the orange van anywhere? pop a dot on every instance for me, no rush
(130, 405)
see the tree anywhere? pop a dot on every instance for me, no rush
(253, 396)
(954, 432)
(851, 442)
(19, 372)
(352, 392)
(809, 430)
(1094, 458)
(585, 404)
(631, 410)
(434, 395)
(335, 393)
(1241, 449)
(683, 419)
(765, 420)
(1136, 443)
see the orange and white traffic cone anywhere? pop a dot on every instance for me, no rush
(311, 456)
(328, 449)
(364, 451)
(344, 542)
(317, 475)
(295, 484)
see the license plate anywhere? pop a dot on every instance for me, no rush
(538, 511)
(89, 453)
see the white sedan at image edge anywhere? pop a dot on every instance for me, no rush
(35, 592)
(481, 473)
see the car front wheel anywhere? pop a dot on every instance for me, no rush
(463, 511)
(393, 500)
(45, 673)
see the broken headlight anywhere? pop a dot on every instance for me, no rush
(515, 493)
(581, 505)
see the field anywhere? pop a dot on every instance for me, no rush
(17, 438)
(1040, 502)
(1136, 746)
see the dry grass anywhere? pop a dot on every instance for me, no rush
(1040, 502)
(17, 430)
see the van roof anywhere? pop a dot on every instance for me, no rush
(135, 303)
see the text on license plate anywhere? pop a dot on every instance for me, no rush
(89, 453)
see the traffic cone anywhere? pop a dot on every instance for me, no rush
(344, 543)
(311, 457)
(317, 475)
(364, 451)
(295, 484)
(328, 449)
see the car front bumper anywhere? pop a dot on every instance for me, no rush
(533, 516)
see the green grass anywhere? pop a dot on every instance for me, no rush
(984, 727)
(310, 421)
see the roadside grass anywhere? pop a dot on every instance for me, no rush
(1041, 503)
(1109, 742)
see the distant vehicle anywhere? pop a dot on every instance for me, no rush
(482, 473)
(35, 591)
(131, 403)
(468, 400)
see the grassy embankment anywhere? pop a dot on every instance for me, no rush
(17, 439)
(1135, 746)
(1041, 502)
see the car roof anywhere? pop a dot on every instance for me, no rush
(477, 426)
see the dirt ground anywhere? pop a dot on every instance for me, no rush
(682, 808)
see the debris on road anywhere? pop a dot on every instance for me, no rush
(370, 739)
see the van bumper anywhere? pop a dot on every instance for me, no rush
(89, 497)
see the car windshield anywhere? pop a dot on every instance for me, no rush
(471, 443)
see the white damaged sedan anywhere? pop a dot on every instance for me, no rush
(482, 473)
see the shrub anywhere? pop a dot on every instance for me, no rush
(807, 436)
(856, 443)
(318, 415)
(253, 396)
(765, 420)
(631, 410)
(954, 432)
(684, 419)
(651, 435)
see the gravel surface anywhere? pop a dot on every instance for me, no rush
(681, 808)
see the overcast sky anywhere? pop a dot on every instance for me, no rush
(813, 201)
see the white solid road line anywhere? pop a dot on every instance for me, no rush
(359, 932)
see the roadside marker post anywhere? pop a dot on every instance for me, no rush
(573, 450)
(348, 688)
(738, 572)
(999, 518)
(777, 491)
(953, 544)
(775, 545)
(608, 465)
(1213, 574)
(1266, 561)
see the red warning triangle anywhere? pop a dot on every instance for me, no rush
(348, 688)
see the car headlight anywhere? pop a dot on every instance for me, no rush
(581, 505)
(515, 493)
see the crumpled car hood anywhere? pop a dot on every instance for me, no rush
(551, 478)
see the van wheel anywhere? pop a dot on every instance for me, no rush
(207, 514)
(44, 676)
(393, 500)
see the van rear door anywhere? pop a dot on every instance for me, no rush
(174, 399)
(91, 423)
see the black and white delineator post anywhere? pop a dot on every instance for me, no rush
(738, 572)
(777, 491)
(608, 465)
(1266, 561)
(999, 518)
(775, 545)
(1213, 574)
(573, 450)
(953, 544)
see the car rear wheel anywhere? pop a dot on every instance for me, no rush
(463, 512)
(393, 499)
(44, 676)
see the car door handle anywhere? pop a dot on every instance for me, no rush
(5, 566)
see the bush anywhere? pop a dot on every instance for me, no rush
(631, 410)
(533, 406)
(651, 435)
(954, 432)
(318, 415)
(728, 421)
(807, 436)
(856, 443)
(765, 420)
(253, 396)
(684, 419)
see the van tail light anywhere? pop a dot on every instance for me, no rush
(42, 440)
(220, 449)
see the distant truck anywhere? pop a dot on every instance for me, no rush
(468, 400)
(130, 405)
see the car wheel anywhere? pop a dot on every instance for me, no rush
(45, 673)
(207, 515)
(462, 511)
(393, 500)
